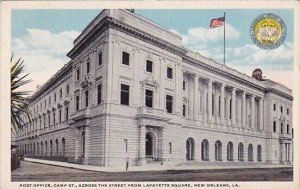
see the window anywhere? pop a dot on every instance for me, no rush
(99, 93)
(100, 59)
(169, 73)
(54, 97)
(149, 66)
(287, 128)
(170, 147)
(77, 74)
(287, 111)
(49, 100)
(67, 114)
(60, 93)
(59, 116)
(281, 128)
(67, 89)
(88, 67)
(183, 110)
(49, 120)
(125, 58)
(274, 126)
(183, 85)
(86, 96)
(124, 94)
(149, 98)
(53, 118)
(274, 107)
(281, 109)
(77, 102)
(126, 145)
(169, 103)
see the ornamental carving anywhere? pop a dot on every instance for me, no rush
(85, 84)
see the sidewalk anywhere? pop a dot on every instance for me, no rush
(151, 167)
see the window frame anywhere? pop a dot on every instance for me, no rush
(150, 96)
(122, 58)
(146, 66)
(124, 92)
(168, 101)
(172, 72)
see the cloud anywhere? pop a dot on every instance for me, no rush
(43, 52)
(199, 35)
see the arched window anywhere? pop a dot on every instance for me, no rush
(51, 148)
(33, 152)
(56, 147)
(150, 145)
(259, 153)
(218, 151)
(190, 149)
(230, 151)
(37, 148)
(250, 152)
(82, 144)
(63, 145)
(204, 150)
(46, 148)
(42, 149)
(241, 152)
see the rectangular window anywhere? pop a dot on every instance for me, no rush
(169, 73)
(183, 110)
(87, 67)
(54, 97)
(287, 111)
(59, 116)
(274, 107)
(125, 58)
(60, 93)
(183, 85)
(281, 128)
(169, 103)
(281, 109)
(99, 93)
(149, 98)
(100, 59)
(49, 119)
(86, 96)
(287, 128)
(49, 100)
(170, 147)
(77, 74)
(77, 103)
(67, 114)
(126, 145)
(53, 118)
(124, 94)
(274, 126)
(67, 89)
(149, 65)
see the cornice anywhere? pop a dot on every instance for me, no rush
(279, 93)
(222, 73)
(110, 22)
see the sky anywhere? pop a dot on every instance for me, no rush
(43, 38)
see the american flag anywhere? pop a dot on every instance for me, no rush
(216, 22)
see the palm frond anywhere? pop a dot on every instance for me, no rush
(19, 105)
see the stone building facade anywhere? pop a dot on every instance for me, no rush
(132, 92)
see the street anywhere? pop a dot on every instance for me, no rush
(40, 172)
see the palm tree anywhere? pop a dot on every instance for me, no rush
(19, 105)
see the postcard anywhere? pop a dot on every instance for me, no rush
(140, 94)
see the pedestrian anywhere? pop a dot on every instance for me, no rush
(127, 163)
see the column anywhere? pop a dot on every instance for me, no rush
(209, 99)
(196, 97)
(286, 152)
(190, 99)
(244, 114)
(252, 111)
(77, 144)
(233, 106)
(261, 114)
(142, 144)
(222, 103)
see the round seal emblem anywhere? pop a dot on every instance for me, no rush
(268, 31)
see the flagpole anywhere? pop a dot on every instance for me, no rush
(224, 37)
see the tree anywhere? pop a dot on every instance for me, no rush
(19, 105)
